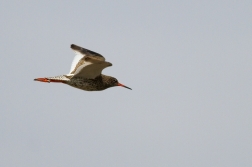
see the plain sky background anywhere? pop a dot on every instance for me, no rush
(189, 64)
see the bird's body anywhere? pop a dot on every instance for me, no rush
(85, 72)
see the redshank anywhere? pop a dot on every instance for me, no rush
(85, 72)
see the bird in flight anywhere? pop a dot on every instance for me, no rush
(85, 72)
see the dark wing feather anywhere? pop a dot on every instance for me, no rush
(88, 66)
(87, 52)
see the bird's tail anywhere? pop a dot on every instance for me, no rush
(59, 79)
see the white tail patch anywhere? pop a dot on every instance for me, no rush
(60, 78)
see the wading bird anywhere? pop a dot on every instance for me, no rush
(85, 72)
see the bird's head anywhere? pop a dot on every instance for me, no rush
(114, 82)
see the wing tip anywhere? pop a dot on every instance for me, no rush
(85, 51)
(75, 47)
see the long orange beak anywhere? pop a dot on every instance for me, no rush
(124, 86)
(47, 80)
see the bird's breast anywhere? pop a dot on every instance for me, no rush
(87, 84)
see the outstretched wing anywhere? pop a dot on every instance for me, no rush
(87, 64)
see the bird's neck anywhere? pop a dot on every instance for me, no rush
(105, 79)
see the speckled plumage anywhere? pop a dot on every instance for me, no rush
(99, 83)
(85, 72)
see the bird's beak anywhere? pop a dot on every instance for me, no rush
(123, 86)
(42, 80)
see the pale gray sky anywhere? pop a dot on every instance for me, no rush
(189, 64)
